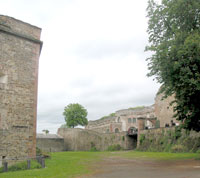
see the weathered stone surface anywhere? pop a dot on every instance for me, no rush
(169, 139)
(123, 120)
(20, 48)
(163, 111)
(50, 142)
(84, 140)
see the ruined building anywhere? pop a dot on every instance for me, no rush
(158, 115)
(20, 47)
(123, 120)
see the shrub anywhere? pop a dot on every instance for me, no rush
(114, 148)
(198, 151)
(177, 148)
(93, 147)
(142, 138)
(22, 166)
(177, 133)
(44, 154)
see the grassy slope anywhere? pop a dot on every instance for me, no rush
(72, 164)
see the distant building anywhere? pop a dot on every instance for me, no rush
(124, 120)
(158, 115)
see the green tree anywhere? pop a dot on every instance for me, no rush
(75, 114)
(45, 131)
(174, 40)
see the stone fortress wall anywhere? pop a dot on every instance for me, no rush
(158, 115)
(76, 139)
(20, 47)
(124, 120)
(50, 142)
(164, 111)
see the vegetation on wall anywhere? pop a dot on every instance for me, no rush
(114, 148)
(137, 107)
(170, 140)
(105, 117)
(174, 37)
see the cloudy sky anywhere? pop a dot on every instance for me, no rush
(93, 54)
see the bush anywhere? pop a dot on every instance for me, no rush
(177, 148)
(22, 166)
(114, 148)
(44, 154)
(93, 149)
(142, 138)
(198, 151)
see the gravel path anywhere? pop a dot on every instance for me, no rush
(117, 167)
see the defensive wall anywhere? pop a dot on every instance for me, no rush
(123, 120)
(50, 142)
(169, 139)
(20, 47)
(83, 140)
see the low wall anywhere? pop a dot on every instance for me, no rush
(83, 140)
(50, 143)
(169, 139)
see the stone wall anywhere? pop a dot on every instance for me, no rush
(50, 143)
(20, 48)
(84, 140)
(163, 110)
(169, 139)
(123, 120)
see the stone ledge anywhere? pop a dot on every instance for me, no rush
(3, 30)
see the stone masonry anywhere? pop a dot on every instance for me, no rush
(124, 120)
(158, 115)
(20, 47)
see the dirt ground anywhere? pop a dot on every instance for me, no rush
(117, 167)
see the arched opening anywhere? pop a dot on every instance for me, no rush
(132, 131)
(132, 134)
(116, 130)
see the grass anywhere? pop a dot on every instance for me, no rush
(73, 164)
(159, 155)
(61, 165)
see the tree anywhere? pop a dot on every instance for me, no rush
(45, 131)
(75, 114)
(174, 39)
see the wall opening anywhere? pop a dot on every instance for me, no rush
(3, 78)
(116, 130)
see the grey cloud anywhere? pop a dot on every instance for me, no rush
(99, 49)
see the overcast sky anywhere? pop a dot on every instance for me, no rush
(93, 54)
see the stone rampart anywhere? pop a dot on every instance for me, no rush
(50, 143)
(169, 139)
(84, 140)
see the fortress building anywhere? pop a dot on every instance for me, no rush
(20, 48)
(158, 115)
(123, 120)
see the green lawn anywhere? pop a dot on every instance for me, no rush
(159, 155)
(72, 164)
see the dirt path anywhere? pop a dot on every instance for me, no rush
(117, 167)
